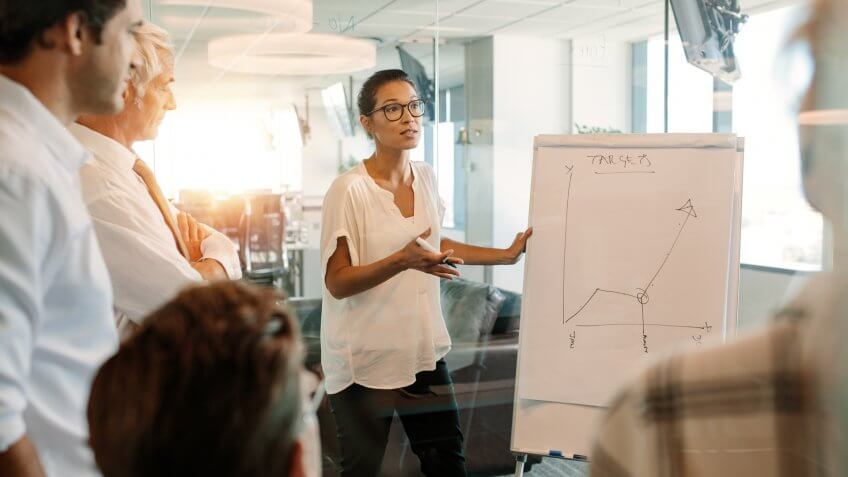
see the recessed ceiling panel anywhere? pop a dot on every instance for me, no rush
(473, 24)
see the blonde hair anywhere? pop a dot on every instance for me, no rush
(154, 49)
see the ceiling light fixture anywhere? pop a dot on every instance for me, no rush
(292, 55)
(292, 16)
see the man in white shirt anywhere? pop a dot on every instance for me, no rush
(57, 60)
(151, 249)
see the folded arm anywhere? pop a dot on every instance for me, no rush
(213, 254)
(145, 274)
(146, 269)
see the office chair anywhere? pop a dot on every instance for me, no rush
(261, 239)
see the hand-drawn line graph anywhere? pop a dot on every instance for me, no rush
(640, 297)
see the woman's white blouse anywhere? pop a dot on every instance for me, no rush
(381, 337)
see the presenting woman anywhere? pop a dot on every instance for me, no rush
(383, 338)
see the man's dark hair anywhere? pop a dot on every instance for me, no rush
(367, 99)
(23, 22)
(207, 385)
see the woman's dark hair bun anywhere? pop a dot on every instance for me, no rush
(367, 99)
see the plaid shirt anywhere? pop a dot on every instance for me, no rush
(753, 407)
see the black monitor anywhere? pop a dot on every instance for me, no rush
(707, 29)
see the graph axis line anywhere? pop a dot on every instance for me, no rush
(565, 240)
(647, 325)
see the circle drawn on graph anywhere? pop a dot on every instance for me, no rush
(642, 297)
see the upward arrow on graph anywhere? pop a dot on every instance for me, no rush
(688, 208)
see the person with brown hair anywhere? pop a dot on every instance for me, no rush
(209, 384)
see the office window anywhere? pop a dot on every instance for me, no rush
(446, 170)
(779, 228)
(258, 148)
(690, 91)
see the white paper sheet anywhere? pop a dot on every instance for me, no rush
(630, 257)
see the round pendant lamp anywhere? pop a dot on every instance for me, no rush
(292, 54)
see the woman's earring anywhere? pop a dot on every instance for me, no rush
(138, 103)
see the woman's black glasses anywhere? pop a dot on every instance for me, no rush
(394, 111)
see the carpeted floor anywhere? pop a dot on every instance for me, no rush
(557, 468)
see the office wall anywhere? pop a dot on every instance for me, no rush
(532, 96)
(602, 72)
(517, 88)
(479, 105)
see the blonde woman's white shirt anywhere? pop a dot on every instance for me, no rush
(146, 267)
(382, 337)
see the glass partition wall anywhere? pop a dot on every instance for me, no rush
(266, 116)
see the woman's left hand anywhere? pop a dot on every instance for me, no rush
(519, 245)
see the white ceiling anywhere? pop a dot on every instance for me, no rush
(412, 23)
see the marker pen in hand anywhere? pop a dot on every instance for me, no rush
(426, 246)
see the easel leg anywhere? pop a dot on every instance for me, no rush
(519, 464)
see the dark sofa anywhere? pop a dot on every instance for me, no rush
(483, 323)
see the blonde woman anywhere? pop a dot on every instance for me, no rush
(152, 250)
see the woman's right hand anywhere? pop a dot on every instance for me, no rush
(418, 258)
